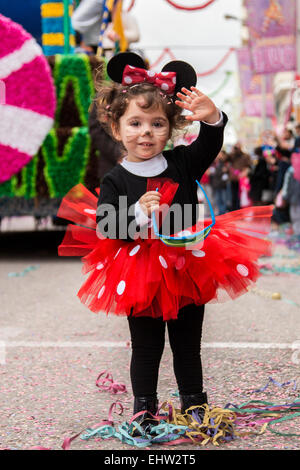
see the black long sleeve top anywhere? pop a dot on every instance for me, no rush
(186, 164)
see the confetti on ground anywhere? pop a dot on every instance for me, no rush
(48, 394)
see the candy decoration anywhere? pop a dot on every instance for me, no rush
(58, 35)
(67, 155)
(28, 112)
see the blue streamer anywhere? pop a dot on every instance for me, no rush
(272, 381)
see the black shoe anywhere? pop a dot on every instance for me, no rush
(145, 420)
(198, 399)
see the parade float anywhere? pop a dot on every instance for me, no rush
(45, 96)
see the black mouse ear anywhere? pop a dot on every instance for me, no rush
(117, 64)
(185, 74)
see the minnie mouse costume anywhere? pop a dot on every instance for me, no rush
(144, 277)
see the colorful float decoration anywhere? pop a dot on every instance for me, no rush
(58, 35)
(45, 145)
(28, 98)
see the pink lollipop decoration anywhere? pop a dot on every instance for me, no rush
(296, 165)
(28, 102)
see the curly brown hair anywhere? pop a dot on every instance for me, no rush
(113, 99)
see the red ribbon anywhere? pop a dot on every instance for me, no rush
(166, 81)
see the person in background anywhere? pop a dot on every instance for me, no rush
(110, 38)
(244, 187)
(110, 150)
(284, 149)
(296, 148)
(219, 179)
(239, 160)
(87, 19)
(291, 196)
(285, 143)
(259, 179)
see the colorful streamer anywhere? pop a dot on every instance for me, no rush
(167, 51)
(105, 382)
(199, 7)
(131, 5)
(228, 76)
(218, 65)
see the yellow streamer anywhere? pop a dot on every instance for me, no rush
(215, 418)
(118, 26)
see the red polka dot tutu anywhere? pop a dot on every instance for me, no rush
(150, 278)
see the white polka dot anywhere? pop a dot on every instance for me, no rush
(150, 73)
(127, 80)
(90, 211)
(198, 253)
(174, 80)
(164, 86)
(121, 287)
(117, 253)
(101, 292)
(100, 266)
(184, 233)
(164, 74)
(242, 270)
(180, 262)
(131, 67)
(224, 233)
(163, 262)
(135, 250)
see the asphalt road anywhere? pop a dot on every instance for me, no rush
(52, 350)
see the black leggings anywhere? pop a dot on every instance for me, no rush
(148, 341)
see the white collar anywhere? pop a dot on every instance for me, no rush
(153, 167)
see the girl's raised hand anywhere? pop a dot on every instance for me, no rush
(200, 105)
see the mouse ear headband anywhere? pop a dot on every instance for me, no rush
(130, 69)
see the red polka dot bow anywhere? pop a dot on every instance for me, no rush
(165, 81)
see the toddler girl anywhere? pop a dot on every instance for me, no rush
(151, 261)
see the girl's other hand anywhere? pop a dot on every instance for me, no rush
(200, 105)
(149, 202)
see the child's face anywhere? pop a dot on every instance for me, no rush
(143, 132)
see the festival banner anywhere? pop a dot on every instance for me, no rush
(273, 27)
(251, 87)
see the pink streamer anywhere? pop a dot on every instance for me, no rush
(107, 384)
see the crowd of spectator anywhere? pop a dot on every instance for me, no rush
(268, 175)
